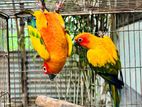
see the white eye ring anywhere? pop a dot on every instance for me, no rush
(80, 39)
(44, 69)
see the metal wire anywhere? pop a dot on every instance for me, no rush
(130, 49)
(76, 6)
(4, 74)
(75, 82)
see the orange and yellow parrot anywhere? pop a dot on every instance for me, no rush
(50, 41)
(103, 58)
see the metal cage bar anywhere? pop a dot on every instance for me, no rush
(75, 83)
(4, 60)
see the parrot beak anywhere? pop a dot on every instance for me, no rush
(75, 43)
(51, 76)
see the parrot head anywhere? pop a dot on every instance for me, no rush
(84, 39)
(45, 69)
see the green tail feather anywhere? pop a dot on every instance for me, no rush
(31, 21)
(112, 79)
(116, 97)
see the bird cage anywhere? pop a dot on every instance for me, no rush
(21, 73)
(4, 61)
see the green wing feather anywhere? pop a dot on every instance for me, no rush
(109, 73)
(38, 43)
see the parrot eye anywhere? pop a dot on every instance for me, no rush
(80, 39)
(44, 69)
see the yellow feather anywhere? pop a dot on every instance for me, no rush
(69, 40)
(36, 43)
(111, 47)
(60, 20)
(40, 23)
(103, 51)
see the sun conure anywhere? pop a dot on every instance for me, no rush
(50, 40)
(103, 58)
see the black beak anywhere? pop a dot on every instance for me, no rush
(51, 76)
(76, 43)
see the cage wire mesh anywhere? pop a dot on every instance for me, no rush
(76, 83)
(4, 72)
(75, 6)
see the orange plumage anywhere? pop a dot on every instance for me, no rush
(51, 28)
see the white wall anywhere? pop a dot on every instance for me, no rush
(130, 47)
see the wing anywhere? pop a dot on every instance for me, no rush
(38, 43)
(103, 66)
(110, 47)
(60, 18)
(99, 56)
(69, 40)
(41, 21)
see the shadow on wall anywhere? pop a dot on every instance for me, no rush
(130, 98)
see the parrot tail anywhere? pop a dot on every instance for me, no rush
(115, 94)
(51, 76)
(112, 79)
